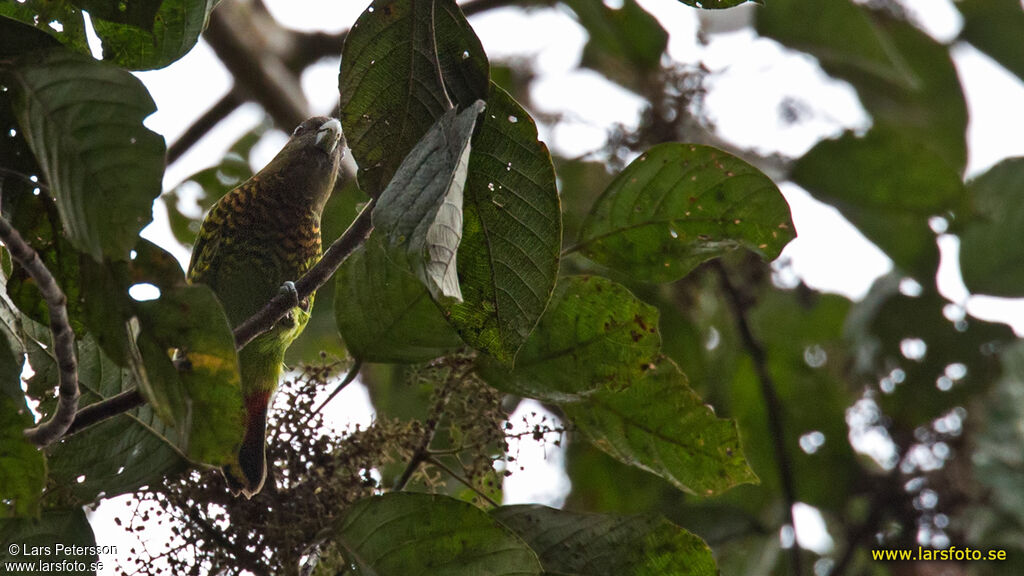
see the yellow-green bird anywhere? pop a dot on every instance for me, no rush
(257, 238)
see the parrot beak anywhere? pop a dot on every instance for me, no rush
(328, 136)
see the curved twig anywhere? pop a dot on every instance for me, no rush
(63, 337)
(349, 378)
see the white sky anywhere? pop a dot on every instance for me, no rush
(829, 254)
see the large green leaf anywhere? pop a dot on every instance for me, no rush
(175, 30)
(888, 184)
(595, 335)
(990, 249)
(508, 259)
(385, 314)
(660, 425)
(22, 465)
(59, 20)
(718, 4)
(203, 393)
(600, 545)
(995, 27)
(138, 13)
(625, 43)
(406, 534)
(903, 76)
(679, 205)
(37, 540)
(83, 121)
(404, 64)
(420, 210)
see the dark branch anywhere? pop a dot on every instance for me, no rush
(63, 337)
(423, 453)
(266, 318)
(225, 106)
(106, 408)
(773, 406)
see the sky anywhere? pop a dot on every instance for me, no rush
(828, 254)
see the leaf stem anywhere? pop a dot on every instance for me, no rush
(349, 378)
(462, 480)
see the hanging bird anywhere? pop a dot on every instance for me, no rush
(254, 242)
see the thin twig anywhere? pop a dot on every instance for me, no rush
(422, 453)
(462, 480)
(106, 408)
(773, 406)
(349, 378)
(63, 337)
(278, 306)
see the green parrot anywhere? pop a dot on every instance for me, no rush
(254, 243)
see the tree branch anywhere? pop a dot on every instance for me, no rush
(773, 406)
(63, 337)
(422, 453)
(209, 119)
(106, 408)
(266, 318)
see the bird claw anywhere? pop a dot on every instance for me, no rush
(288, 288)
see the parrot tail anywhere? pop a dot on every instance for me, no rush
(248, 475)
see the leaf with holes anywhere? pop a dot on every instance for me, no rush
(679, 205)
(512, 231)
(83, 121)
(594, 336)
(403, 65)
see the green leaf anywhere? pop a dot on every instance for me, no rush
(175, 30)
(626, 43)
(22, 465)
(679, 205)
(660, 425)
(512, 232)
(115, 456)
(205, 395)
(570, 543)
(46, 16)
(595, 335)
(403, 65)
(384, 313)
(83, 121)
(35, 540)
(423, 534)
(140, 14)
(995, 27)
(420, 210)
(903, 77)
(990, 247)
(888, 184)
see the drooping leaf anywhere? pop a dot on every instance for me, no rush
(990, 247)
(679, 205)
(660, 425)
(888, 184)
(175, 30)
(203, 393)
(904, 77)
(626, 43)
(384, 313)
(995, 27)
(83, 121)
(22, 465)
(508, 259)
(403, 65)
(437, 535)
(594, 336)
(36, 539)
(59, 20)
(420, 210)
(570, 543)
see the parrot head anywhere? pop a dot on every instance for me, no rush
(309, 161)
